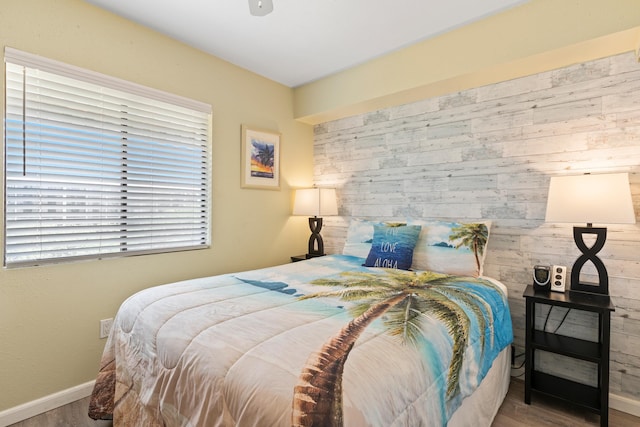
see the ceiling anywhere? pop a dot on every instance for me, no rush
(303, 40)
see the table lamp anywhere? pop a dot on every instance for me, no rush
(598, 198)
(315, 203)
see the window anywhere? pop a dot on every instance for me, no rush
(96, 167)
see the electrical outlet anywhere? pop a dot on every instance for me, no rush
(105, 327)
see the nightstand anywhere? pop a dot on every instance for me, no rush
(596, 398)
(297, 258)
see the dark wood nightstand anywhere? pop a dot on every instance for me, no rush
(593, 398)
(297, 258)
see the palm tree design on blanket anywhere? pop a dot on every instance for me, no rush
(406, 298)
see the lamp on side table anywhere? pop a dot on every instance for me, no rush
(315, 203)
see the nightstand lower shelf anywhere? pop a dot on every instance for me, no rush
(569, 391)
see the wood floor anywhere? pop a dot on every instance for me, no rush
(544, 412)
(513, 413)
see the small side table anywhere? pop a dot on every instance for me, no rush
(596, 398)
(297, 258)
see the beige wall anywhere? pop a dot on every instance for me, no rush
(538, 36)
(49, 315)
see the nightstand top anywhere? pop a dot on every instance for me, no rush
(571, 299)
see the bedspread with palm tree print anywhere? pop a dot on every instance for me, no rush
(325, 342)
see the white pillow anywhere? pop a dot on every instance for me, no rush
(359, 237)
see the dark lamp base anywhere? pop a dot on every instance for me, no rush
(589, 254)
(316, 245)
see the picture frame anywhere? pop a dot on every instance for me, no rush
(260, 159)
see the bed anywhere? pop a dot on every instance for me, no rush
(324, 342)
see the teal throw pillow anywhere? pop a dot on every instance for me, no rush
(392, 246)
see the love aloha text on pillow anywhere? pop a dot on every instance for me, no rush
(392, 246)
(360, 236)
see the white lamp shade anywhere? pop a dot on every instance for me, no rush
(602, 199)
(315, 202)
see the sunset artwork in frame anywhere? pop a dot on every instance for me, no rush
(260, 159)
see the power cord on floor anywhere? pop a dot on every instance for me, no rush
(515, 356)
(521, 365)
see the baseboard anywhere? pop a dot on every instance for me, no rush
(64, 397)
(44, 404)
(624, 404)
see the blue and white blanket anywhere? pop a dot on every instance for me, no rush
(321, 342)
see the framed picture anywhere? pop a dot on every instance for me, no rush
(260, 159)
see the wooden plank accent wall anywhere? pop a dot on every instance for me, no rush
(488, 153)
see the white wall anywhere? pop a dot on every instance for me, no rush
(488, 153)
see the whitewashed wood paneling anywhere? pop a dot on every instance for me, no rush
(488, 153)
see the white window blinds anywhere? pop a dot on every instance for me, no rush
(97, 167)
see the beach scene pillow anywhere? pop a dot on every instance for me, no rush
(451, 247)
(360, 236)
(392, 246)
